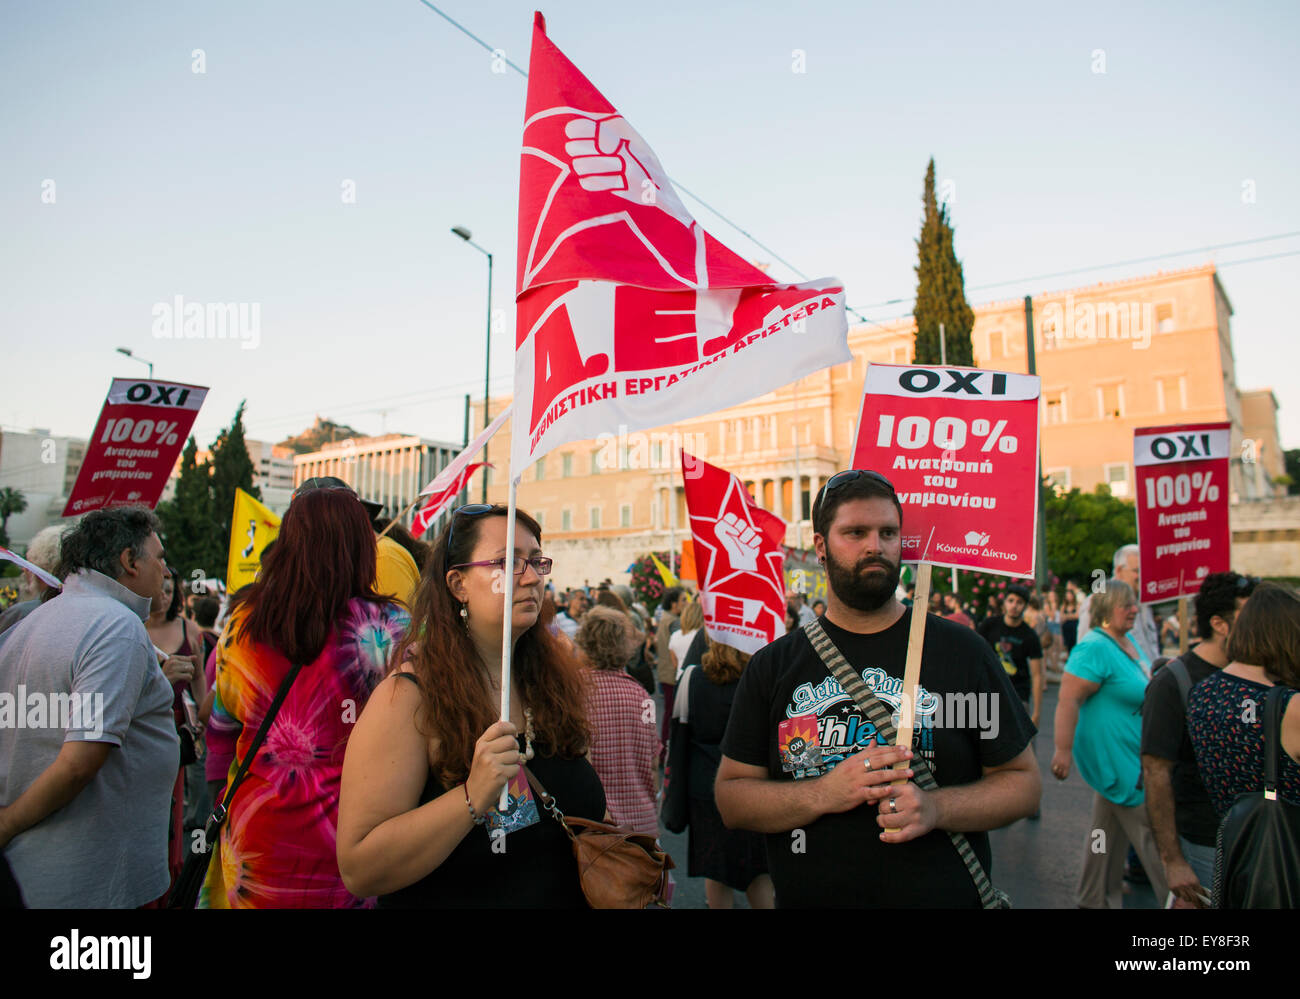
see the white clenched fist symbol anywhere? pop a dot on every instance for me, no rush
(740, 540)
(609, 155)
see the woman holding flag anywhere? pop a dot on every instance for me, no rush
(429, 758)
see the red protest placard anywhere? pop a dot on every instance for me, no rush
(1182, 506)
(738, 558)
(960, 446)
(133, 450)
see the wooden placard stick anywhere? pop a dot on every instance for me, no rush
(912, 668)
(402, 514)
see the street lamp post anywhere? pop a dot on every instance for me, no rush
(127, 352)
(466, 235)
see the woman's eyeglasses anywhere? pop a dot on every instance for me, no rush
(541, 564)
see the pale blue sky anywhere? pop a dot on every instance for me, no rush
(226, 186)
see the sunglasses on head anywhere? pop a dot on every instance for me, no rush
(850, 475)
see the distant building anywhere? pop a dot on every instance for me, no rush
(390, 469)
(44, 468)
(1112, 357)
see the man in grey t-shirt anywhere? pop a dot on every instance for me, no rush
(88, 745)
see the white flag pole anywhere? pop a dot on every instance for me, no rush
(507, 623)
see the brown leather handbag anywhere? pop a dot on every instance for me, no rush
(617, 868)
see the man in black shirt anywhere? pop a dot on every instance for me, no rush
(1018, 649)
(838, 832)
(1184, 822)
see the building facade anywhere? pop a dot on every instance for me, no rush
(1112, 357)
(390, 469)
(44, 468)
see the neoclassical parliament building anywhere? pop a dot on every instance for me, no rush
(1143, 352)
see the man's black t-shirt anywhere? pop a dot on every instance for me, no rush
(791, 717)
(1014, 647)
(1164, 734)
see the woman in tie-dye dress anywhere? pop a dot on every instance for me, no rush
(313, 603)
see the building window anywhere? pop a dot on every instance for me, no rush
(625, 515)
(595, 462)
(1171, 393)
(566, 467)
(1110, 401)
(540, 517)
(1059, 478)
(1054, 411)
(657, 454)
(1164, 317)
(997, 344)
(899, 356)
(566, 519)
(541, 469)
(1117, 479)
(594, 514)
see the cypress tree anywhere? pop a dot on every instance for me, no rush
(232, 469)
(940, 288)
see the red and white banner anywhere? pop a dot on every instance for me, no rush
(137, 439)
(444, 487)
(738, 558)
(439, 501)
(1182, 506)
(48, 578)
(628, 313)
(960, 446)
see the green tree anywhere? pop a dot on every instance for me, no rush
(1292, 459)
(940, 287)
(191, 531)
(1084, 529)
(11, 501)
(232, 469)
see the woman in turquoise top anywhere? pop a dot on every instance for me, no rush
(1099, 727)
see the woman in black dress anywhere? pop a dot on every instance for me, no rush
(727, 859)
(428, 758)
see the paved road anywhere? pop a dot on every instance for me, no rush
(1036, 862)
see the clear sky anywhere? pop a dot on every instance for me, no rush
(228, 185)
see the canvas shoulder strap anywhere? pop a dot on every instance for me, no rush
(881, 717)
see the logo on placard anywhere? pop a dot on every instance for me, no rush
(976, 538)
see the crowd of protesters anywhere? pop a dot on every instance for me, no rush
(378, 657)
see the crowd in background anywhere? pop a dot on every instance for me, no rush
(378, 657)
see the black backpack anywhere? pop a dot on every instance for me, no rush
(1257, 863)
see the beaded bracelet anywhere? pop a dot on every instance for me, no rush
(478, 819)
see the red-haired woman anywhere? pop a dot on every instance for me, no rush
(313, 605)
(429, 757)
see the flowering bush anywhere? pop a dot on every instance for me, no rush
(647, 584)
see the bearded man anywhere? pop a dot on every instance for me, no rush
(841, 833)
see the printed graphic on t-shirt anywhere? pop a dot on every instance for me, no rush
(841, 729)
(800, 751)
(521, 812)
(1004, 653)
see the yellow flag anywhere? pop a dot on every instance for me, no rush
(664, 572)
(252, 528)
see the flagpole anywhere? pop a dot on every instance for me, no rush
(507, 622)
(409, 506)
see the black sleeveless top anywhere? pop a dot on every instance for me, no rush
(708, 707)
(536, 869)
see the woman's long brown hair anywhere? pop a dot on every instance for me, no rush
(458, 704)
